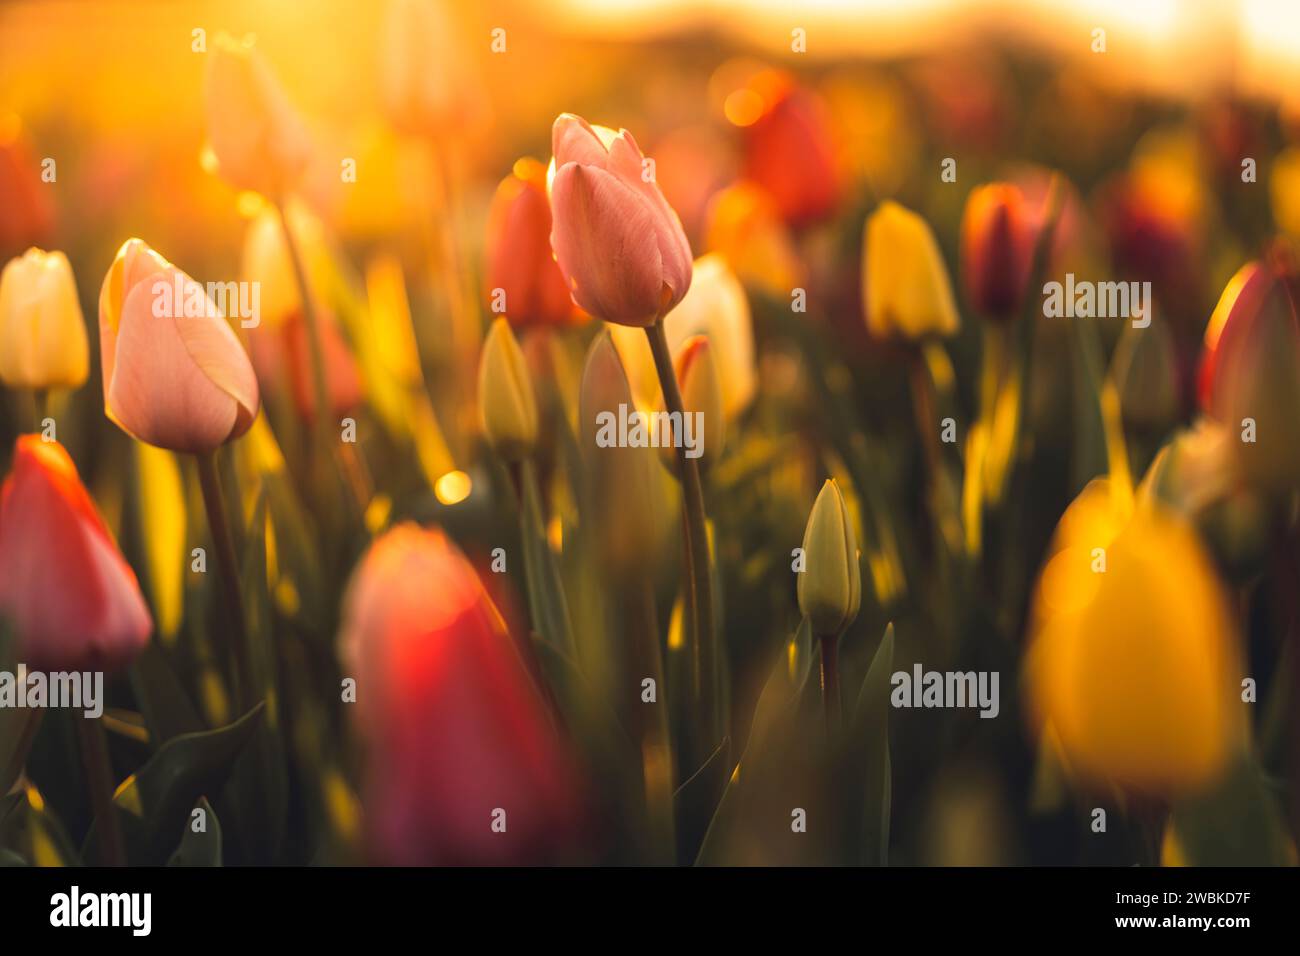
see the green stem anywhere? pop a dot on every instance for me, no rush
(99, 781)
(219, 527)
(29, 723)
(652, 729)
(697, 540)
(310, 318)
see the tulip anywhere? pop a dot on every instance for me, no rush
(64, 584)
(830, 585)
(697, 374)
(42, 331)
(715, 307)
(281, 352)
(1133, 656)
(997, 242)
(173, 377)
(423, 83)
(28, 216)
(789, 152)
(266, 260)
(629, 508)
(458, 738)
(746, 230)
(905, 287)
(619, 245)
(1145, 371)
(519, 259)
(505, 393)
(259, 141)
(1250, 373)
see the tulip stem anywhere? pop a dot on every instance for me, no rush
(830, 647)
(99, 781)
(41, 397)
(220, 529)
(700, 590)
(310, 319)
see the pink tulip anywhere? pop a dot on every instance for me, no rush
(619, 244)
(174, 376)
(63, 583)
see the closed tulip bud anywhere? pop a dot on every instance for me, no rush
(265, 260)
(830, 586)
(174, 373)
(997, 240)
(905, 287)
(789, 151)
(701, 388)
(281, 354)
(1133, 658)
(425, 85)
(626, 483)
(519, 258)
(618, 243)
(463, 764)
(42, 330)
(63, 583)
(259, 140)
(505, 395)
(1250, 372)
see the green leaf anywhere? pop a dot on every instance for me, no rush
(202, 847)
(546, 600)
(154, 803)
(697, 799)
(167, 709)
(869, 750)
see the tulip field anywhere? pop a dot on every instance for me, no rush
(651, 435)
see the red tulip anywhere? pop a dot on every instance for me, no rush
(1251, 370)
(458, 737)
(519, 259)
(619, 244)
(789, 150)
(171, 378)
(63, 583)
(996, 240)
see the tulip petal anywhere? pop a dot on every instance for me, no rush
(605, 240)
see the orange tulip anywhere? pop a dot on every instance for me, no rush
(464, 766)
(258, 139)
(67, 589)
(519, 259)
(996, 240)
(174, 373)
(28, 218)
(619, 244)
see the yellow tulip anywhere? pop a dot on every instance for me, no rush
(905, 287)
(697, 377)
(745, 228)
(1133, 657)
(42, 330)
(830, 586)
(266, 261)
(505, 395)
